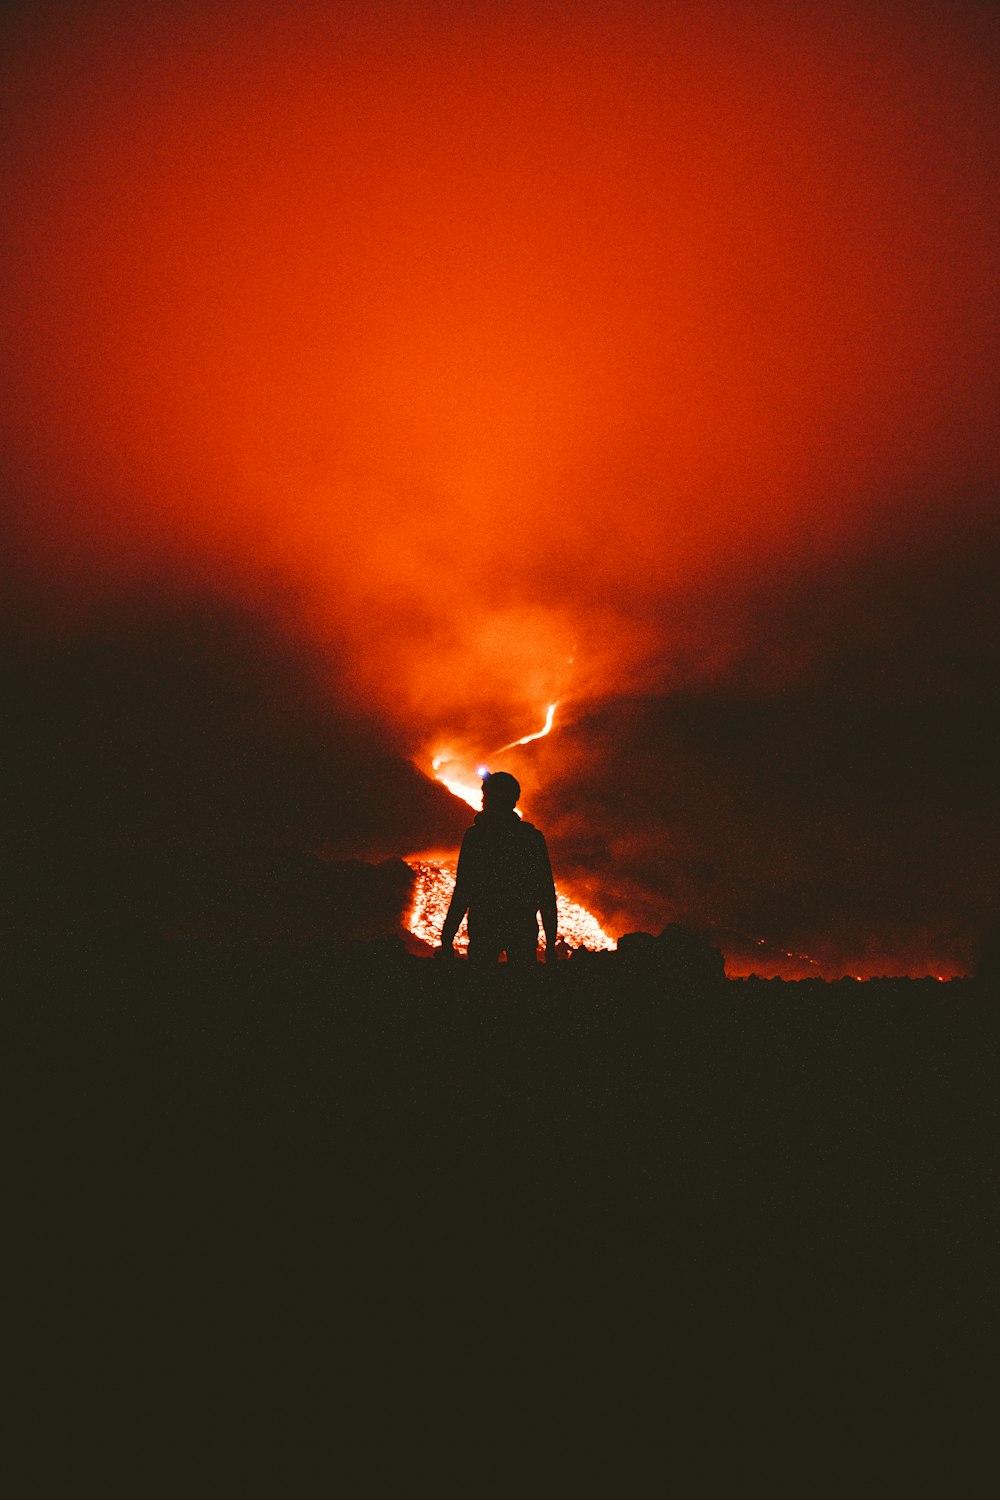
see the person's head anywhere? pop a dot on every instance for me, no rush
(500, 792)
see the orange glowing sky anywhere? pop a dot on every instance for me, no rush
(497, 320)
(497, 329)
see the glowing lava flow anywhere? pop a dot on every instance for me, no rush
(550, 714)
(435, 881)
(435, 878)
(462, 784)
(458, 785)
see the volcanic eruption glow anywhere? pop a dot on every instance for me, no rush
(460, 347)
(468, 785)
(459, 783)
(435, 878)
(435, 881)
(526, 739)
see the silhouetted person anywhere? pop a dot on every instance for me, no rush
(504, 880)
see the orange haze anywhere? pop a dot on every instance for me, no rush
(497, 331)
(494, 322)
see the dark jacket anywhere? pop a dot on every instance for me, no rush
(504, 875)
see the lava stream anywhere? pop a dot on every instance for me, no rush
(461, 784)
(435, 879)
(540, 734)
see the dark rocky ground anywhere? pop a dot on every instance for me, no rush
(293, 1223)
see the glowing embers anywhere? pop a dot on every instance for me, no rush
(432, 888)
(434, 883)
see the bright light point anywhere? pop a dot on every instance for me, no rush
(482, 771)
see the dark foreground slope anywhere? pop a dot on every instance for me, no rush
(301, 1224)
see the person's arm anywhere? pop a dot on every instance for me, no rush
(547, 900)
(459, 903)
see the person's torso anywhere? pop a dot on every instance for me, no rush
(506, 862)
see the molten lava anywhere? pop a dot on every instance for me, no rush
(467, 784)
(435, 881)
(435, 878)
(540, 734)
(460, 784)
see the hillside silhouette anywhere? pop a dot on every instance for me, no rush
(188, 767)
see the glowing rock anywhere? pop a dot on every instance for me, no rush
(434, 883)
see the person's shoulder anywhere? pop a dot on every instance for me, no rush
(533, 833)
